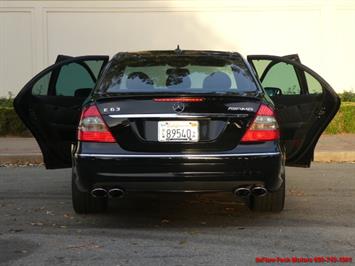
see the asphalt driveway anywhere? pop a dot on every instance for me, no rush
(38, 226)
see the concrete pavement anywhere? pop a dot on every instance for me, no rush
(19, 151)
(330, 148)
(335, 148)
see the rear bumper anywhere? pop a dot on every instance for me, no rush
(178, 172)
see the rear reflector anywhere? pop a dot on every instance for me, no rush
(264, 126)
(92, 127)
(183, 100)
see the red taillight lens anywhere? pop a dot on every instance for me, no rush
(264, 126)
(182, 100)
(92, 127)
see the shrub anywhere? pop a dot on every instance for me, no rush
(344, 121)
(6, 102)
(347, 96)
(10, 123)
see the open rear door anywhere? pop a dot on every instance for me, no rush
(305, 103)
(50, 104)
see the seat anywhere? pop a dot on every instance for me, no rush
(178, 79)
(217, 81)
(139, 80)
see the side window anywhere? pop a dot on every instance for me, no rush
(72, 77)
(95, 66)
(284, 77)
(260, 66)
(314, 87)
(40, 88)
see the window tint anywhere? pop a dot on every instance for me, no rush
(72, 77)
(282, 76)
(190, 78)
(314, 87)
(178, 73)
(42, 85)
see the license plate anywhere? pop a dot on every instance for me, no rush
(186, 131)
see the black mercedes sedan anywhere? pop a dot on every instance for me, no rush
(177, 121)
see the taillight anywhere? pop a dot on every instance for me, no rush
(92, 127)
(264, 126)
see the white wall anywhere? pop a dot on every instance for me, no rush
(32, 33)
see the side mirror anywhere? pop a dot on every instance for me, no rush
(82, 93)
(273, 91)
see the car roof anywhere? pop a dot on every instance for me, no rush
(177, 52)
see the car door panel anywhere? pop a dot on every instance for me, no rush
(304, 110)
(61, 113)
(51, 112)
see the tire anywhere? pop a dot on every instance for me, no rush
(271, 202)
(84, 203)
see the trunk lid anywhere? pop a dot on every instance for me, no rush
(222, 121)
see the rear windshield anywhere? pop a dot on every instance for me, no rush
(177, 73)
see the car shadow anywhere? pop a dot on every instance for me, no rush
(178, 210)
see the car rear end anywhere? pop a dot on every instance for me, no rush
(177, 122)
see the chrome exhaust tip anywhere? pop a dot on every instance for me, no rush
(116, 193)
(242, 192)
(99, 193)
(259, 191)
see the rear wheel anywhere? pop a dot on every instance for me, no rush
(271, 202)
(84, 203)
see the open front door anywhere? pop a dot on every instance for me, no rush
(50, 104)
(305, 103)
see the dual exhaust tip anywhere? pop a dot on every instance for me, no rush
(103, 193)
(243, 192)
